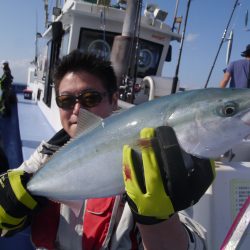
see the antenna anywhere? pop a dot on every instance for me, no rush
(175, 14)
(222, 40)
(46, 5)
(175, 78)
(229, 46)
(36, 49)
(246, 19)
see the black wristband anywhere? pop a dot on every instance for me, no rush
(185, 177)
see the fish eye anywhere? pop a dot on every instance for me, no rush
(229, 109)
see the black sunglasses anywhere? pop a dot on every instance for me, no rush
(87, 99)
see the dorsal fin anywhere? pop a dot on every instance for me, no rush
(87, 121)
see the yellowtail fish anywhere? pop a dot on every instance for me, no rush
(207, 122)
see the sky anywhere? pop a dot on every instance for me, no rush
(206, 23)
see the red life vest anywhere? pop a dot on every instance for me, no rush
(44, 226)
(96, 222)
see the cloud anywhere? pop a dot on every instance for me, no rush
(191, 37)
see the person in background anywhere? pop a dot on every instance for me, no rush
(238, 72)
(144, 217)
(5, 82)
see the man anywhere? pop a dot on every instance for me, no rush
(5, 82)
(135, 220)
(238, 72)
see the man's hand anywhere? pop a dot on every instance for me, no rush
(162, 179)
(16, 204)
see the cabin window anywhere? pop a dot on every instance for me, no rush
(100, 43)
(96, 41)
(149, 58)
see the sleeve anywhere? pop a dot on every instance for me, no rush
(229, 69)
(196, 233)
(38, 158)
(44, 152)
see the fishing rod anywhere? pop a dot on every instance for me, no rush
(175, 78)
(222, 40)
(129, 51)
(175, 15)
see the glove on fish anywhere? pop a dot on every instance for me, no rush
(162, 179)
(16, 204)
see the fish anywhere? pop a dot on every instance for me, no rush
(207, 123)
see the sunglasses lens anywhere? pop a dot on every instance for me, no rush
(87, 99)
(90, 99)
(66, 101)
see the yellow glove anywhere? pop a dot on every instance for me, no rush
(158, 182)
(16, 204)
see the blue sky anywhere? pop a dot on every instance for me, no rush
(206, 24)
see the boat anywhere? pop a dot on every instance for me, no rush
(98, 26)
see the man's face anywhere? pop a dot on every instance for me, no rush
(75, 84)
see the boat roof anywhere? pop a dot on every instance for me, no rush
(90, 14)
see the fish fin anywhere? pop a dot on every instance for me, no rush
(87, 121)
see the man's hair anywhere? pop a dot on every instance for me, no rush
(78, 62)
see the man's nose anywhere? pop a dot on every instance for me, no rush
(76, 108)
